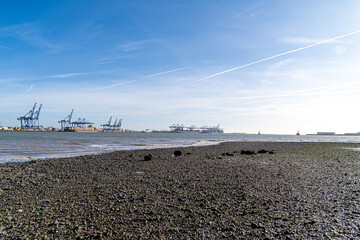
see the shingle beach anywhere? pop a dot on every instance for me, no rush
(296, 191)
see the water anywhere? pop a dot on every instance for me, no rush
(22, 146)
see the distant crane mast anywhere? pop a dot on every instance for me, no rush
(35, 120)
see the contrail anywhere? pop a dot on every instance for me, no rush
(275, 56)
(29, 89)
(166, 72)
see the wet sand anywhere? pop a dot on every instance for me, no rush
(302, 191)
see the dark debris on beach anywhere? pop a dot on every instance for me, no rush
(302, 191)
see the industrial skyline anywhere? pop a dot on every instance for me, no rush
(274, 67)
(31, 122)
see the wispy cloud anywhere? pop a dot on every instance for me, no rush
(111, 86)
(5, 47)
(10, 80)
(166, 72)
(274, 56)
(29, 89)
(251, 10)
(206, 61)
(31, 34)
(67, 75)
(239, 18)
(136, 45)
(300, 93)
(303, 40)
(300, 41)
(108, 60)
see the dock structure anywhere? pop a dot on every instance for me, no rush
(30, 121)
(112, 127)
(79, 123)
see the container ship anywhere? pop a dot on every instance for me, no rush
(212, 129)
(183, 129)
(81, 129)
(177, 128)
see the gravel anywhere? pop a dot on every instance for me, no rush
(299, 191)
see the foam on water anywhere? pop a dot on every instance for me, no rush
(98, 146)
(207, 143)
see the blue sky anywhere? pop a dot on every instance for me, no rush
(155, 63)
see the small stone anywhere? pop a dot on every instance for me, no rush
(6, 187)
(147, 157)
(177, 153)
(248, 152)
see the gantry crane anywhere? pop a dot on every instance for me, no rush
(30, 121)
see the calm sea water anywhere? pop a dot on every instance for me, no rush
(22, 146)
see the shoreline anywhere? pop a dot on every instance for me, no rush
(19, 147)
(136, 147)
(304, 190)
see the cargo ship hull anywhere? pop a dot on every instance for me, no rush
(185, 131)
(80, 129)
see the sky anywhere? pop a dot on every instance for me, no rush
(261, 65)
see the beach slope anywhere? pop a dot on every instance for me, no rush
(300, 191)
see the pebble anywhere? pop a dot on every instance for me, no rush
(237, 198)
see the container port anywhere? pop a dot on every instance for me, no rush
(31, 122)
(112, 127)
(80, 125)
